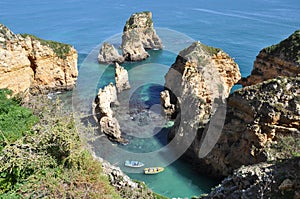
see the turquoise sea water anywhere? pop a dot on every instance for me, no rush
(241, 28)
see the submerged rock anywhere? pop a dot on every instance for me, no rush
(121, 77)
(282, 59)
(139, 35)
(31, 64)
(110, 126)
(108, 54)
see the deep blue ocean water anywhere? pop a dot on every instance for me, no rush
(241, 28)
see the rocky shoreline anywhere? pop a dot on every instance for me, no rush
(260, 120)
(251, 136)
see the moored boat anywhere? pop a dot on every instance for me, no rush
(133, 163)
(153, 170)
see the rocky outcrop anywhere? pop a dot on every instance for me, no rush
(262, 124)
(121, 77)
(108, 54)
(200, 77)
(282, 59)
(126, 187)
(165, 100)
(264, 180)
(139, 35)
(28, 63)
(109, 125)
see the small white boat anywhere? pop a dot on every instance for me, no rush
(132, 163)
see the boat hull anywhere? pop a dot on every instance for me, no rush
(153, 170)
(133, 164)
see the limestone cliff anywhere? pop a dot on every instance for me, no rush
(262, 124)
(200, 77)
(139, 35)
(282, 59)
(28, 63)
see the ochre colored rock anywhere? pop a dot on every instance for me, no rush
(109, 125)
(165, 100)
(121, 77)
(108, 54)
(200, 78)
(258, 117)
(282, 59)
(30, 64)
(138, 36)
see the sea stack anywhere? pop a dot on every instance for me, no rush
(121, 78)
(138, 36)
(109, 125)
(108, 54)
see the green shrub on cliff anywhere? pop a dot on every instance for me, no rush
(15, 121)
(52, 161)
(288, 48)
(60, 49)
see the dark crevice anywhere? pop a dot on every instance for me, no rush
(33, 65)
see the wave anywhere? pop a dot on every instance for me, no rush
(241, 16)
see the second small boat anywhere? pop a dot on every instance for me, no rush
(132, 163)
(153, 170)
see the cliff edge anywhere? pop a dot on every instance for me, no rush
(282, 59)
(31, 64)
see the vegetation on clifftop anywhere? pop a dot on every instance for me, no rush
(60, 49)
(288, 48)
(15, 121)
(210, 50)
(43, 156)
(130, 23)
(51, 161)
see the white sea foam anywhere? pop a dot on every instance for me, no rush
(241, 16)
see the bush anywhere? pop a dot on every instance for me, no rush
(52, 161)
(15, 121)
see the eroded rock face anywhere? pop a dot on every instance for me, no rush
(108, 54)
(165, 100)
(109, 125)
(258, 118)
(28, 63)
(121, 77)
(139, 35)
(264, 180)
(201, 77)
(282, 59)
